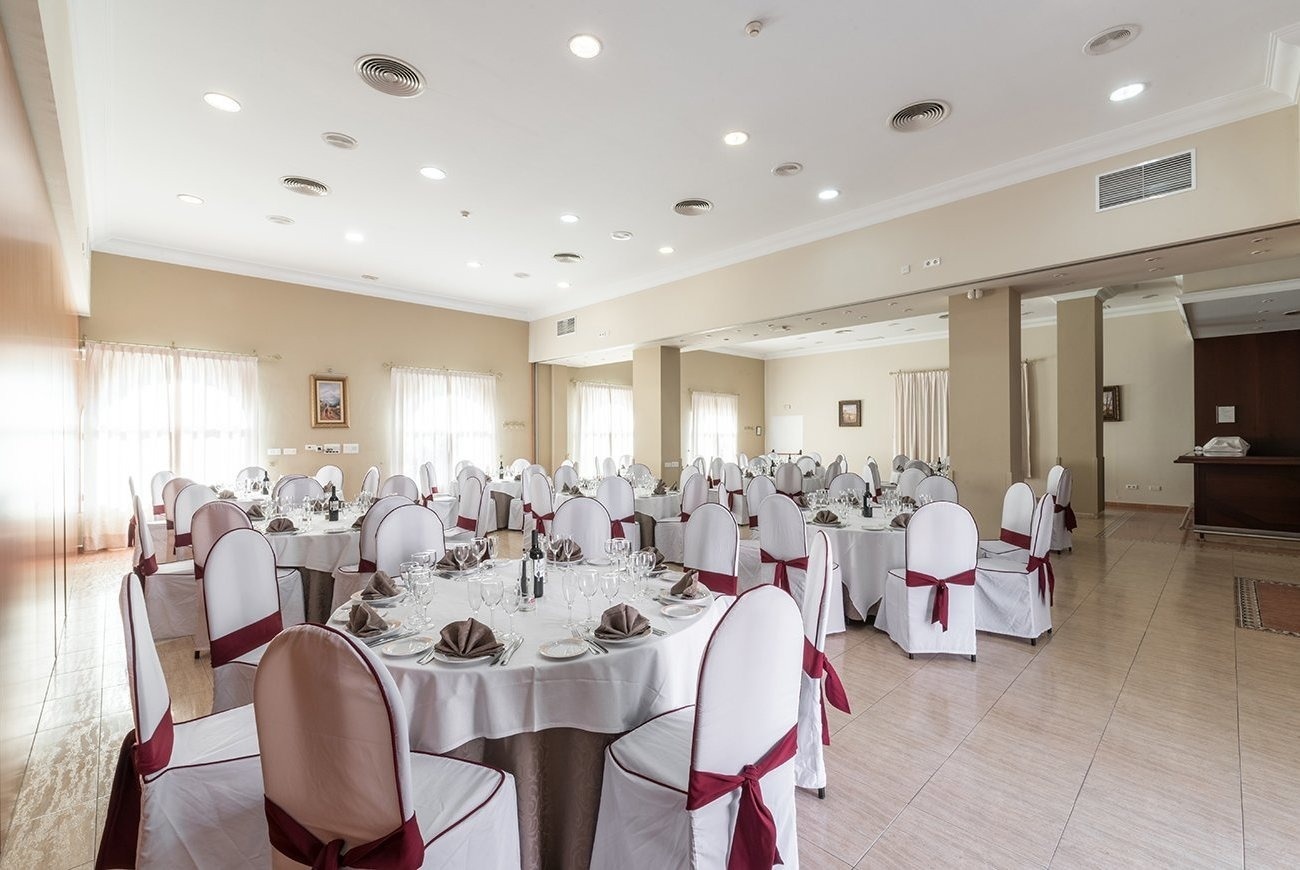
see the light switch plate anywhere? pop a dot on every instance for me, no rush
(1225, 414)
(351, 448)
(312, 448)
(291, 451)
(273, 451)
(331, 448)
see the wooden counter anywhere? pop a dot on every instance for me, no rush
(1246, 495)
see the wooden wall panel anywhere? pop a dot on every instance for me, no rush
(1260, 375)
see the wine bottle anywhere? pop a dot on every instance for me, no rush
(333, 505)
(266, 483)
(537, 562)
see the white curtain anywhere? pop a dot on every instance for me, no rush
(443, 417)
(150, 409)
(921, 414)
(600, 424)
(1025, 451)
(715, 425)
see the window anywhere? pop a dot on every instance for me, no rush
(149, 409)
(715, 425)
(600, 424)
(443, 417)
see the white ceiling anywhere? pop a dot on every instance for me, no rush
(526, 131)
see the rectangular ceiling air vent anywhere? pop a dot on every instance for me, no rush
(564, 327)
(1150, 180)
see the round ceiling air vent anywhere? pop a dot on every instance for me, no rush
(567, 257)
(620, 235)
(305, 186)
(280, 219)
(785, 170)
(522, 275)
(691, 207)
(391, 76)
(919, 116)
(1292, 313)
(1112, 39)
(339, 140)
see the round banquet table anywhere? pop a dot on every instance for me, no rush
(548, 722)
(315, 551)
(657, 507)
(810, 483)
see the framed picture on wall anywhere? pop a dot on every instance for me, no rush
(851, 412)
(329, 402)
(1110, 407)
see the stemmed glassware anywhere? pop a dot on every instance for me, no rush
(481, 551)
(421, 579)
(609, 583)
(475, 591)
(492, 592)
(510, 601)
(405, 569)
(589, 582)
(642, 564)
(571, 585)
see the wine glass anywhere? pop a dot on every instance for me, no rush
(492, 592)
(510, 601)
(475, 591)
(422, 585)
(570, 584)
(611, 550)
(405, 570)
(460, 554)
(589, 581)
(609, 583)
(480, 550)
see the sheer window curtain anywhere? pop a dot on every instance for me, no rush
(921, 414)
(600, 424)
(147, 409)
(443, 417)
(715, 425)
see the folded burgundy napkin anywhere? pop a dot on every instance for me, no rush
(255, 512)
(570, 490)
(519, 477)
(467, 639)
(808, 474)
(660, 488)
(448, 562)
(564, 550)
(825, 517)
(907, 501)
(365, 621)
(357, 523)
(673, 488)
(281, 524)
(689, 586)
(380, 586)
(660, 559)
(226, 494)
(901, 521)
(622, 621)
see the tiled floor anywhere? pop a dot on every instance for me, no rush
(1148, 731)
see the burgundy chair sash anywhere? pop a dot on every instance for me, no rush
(366, 565)
(940, 614)
(684, 516)
(733, 495)
(183, 540)
(616, 526)
(817, 666)
(171, 525)
(402, 848)
(469, 523)
(753, 521)
(1015, 539)
(130, 532)
(159, 510)
(753, 845)
(155, 753)
(542, 520)
(241, 641)
(713, 481)
(146, 567)
(782, 577)
(723, 584)
(1046, 576)
(1070, 522)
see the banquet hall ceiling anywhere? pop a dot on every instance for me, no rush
(526, 131)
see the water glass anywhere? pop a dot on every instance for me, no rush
(480, 551)
(589, 582)
(475, 591)
(492, 592)
(570, 585)
(510, 600)
(609, 583)
(422, 585)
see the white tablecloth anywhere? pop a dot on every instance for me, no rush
(512, 488)
(810, 484)
(660, 507)
(319, 548)
(450, 705)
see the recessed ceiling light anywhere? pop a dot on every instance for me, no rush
(785, 170)
(1267, 301)
(1127, 92)
(1152, 259)
(221, 102)
(1151, 296)
(620, 235)
(906, 310)
(1259, 240)
(569, 218)
(474, 264)
(943, 317)
(828, 194)
(371, 277)
(585, 46)
(736, 137)
(1059, 275)
(1156, 269)
(354, 236)
(190, 199)
(522, 275)
(563, 285)
(433, 173)
(666, 249)
(1259, 251)
(280, 219)
(1260, 320)
(893, 304)
(910, 329)
(1291, 313)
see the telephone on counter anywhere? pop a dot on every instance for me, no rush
(1230, 445)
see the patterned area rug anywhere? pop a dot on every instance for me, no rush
(1268, 605)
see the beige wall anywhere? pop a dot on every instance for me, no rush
(725, 373)
(1248, 175)
(312, 331)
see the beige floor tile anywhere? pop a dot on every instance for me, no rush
(917, 839)
(57, 841)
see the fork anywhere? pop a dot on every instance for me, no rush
(593, 646)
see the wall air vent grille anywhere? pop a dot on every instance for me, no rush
(1150, 180)
(564, 327)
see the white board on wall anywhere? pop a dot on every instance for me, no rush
(785, 434)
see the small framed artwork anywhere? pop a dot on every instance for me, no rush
(329, 402)
(1110, 405)
(851, 412)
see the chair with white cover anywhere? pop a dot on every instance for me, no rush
(908, 480)
(618, 497)
(712, 785)
(330, 475)
(253, 474)
(566, 475)
(171, 489)
(567, 462)
(156, 484)
(921, 464)
(343, 788)
(789, 480)
(639, 472)
(370, 482)
(670, 534)
(517, 467)
(819, 683)
(608, 467)
(848, 482)
(806, 464)
(169, 588)
(426, 482)
(399, 484)
(700, 463)
(625, 459)
(815, 456)
(541, 498)
(242, 603)
(1060, 484)
(471, 510)
(188, 500)
(712, 548)
(404, 531)
(459, 466)
(733, 490)
(742, 459)
(929, 605)
(759, 489)
(293, 491)
(897, 466)
(471, 470)
(1018, 507)
(782, 544)
(872, 474)
(835, 469)
(188, 795)
(936, 487)
(211, 521)
(353, 578)
(1014, 592)
(281, 481)
(688, 471)
(715, 471)
(586, 521)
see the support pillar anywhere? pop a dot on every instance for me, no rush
(657, 407)
(1079, 358)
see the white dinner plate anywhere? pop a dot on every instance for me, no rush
(623, 640)
(337, 531)
(670, 598)
(681, 611)
(411, 646)
(565, 648)
(394, 626)
(288, 532)
(452, 660)
(376, 602)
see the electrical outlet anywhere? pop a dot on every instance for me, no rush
(291, 451)
(1155, 488)
(331, 448)
(273, 451)
(906, 269)
(1131, 486)
(351, 448)
(932, 262)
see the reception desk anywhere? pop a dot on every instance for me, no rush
(1246, 495)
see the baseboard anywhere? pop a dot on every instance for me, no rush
(1136, 506)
